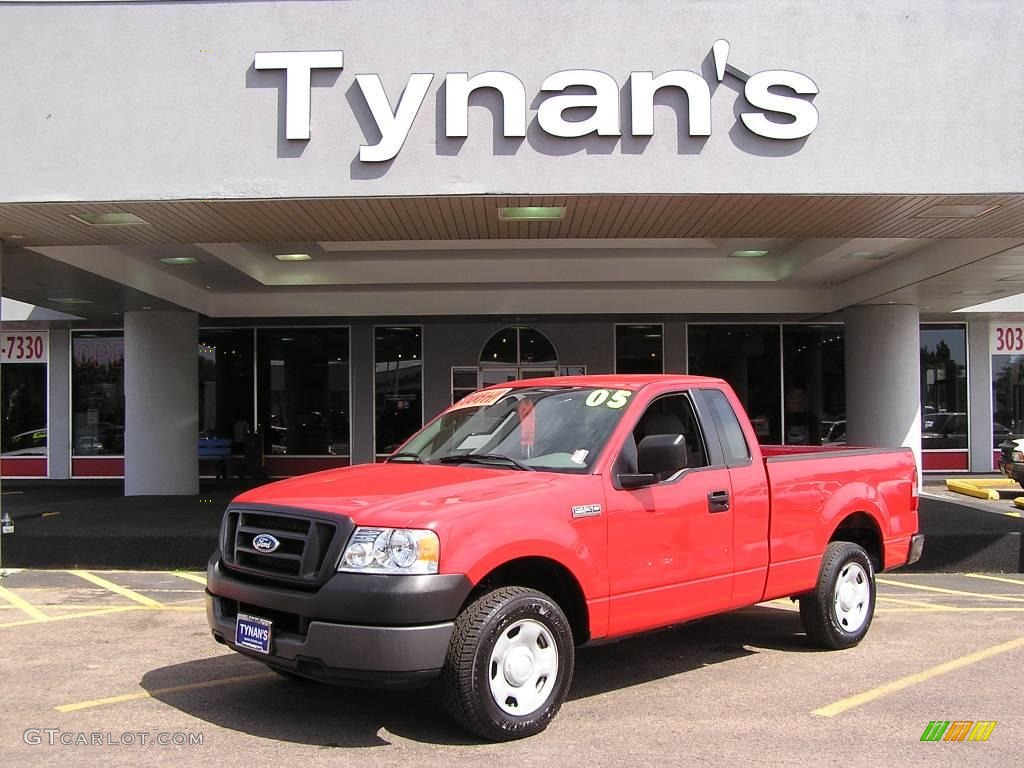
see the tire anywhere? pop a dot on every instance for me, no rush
(517, 697)
(838, 613)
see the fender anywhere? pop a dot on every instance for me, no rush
(848, 500)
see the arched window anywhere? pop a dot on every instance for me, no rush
(515, 352)
(518, 345)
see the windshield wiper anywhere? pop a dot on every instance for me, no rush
(483, 458)
(415, 457)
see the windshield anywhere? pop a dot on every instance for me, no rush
(558, 429)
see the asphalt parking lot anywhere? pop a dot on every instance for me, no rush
(127, 655)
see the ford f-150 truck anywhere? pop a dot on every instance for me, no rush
(537, 516)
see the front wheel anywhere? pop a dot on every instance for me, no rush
(838, 613)
(509, 664)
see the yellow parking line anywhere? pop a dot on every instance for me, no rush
(945, 591)
(917, 603)
(919, 677)
(995, 578)
(118, 589)
(99, 612)
(22, 604)
(190, 577)
(160, 691)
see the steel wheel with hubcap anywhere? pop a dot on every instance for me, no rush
(509, 664)
(838, 613)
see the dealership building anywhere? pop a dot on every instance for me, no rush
(279, 236)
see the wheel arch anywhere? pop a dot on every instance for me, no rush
(546, 575)
(862, 528)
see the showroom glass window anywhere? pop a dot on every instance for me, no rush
(639, 349)
(226, 385)
(304, 391)
(23, 388)
(814, 384)
(943, 387)
(398, 385)
(97, 394)
(746, 356)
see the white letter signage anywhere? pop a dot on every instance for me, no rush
(297, 66)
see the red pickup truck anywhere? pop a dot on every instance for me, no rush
(541, 515)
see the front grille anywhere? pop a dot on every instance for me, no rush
(308, 546)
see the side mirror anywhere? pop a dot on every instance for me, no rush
(661, 455)
(658, 456)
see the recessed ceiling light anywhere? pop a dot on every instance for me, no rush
(976, 293)
(13, 237)
(179, 260)
(868, 255)
(114, 219)
(147, 308)
(955, 211)
(293, 257)
(532, 213)
(749, 254)
(70, 300)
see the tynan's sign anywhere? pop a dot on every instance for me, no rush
(761, 91)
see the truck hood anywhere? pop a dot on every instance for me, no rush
(406, 495)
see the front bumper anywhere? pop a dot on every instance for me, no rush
(361, 629)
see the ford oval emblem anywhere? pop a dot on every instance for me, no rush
(264, 542)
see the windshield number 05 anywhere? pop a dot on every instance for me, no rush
(615, 399)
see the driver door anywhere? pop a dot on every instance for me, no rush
(670, 545)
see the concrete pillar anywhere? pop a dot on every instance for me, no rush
(979, 396)
(58, 405)
(363, 413)
(675, 347)
(161, 375)
(883, 376)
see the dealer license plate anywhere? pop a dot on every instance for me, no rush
(253, 633)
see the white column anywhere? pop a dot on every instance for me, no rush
(161, 403)
(58, 405)
(883, 376)
(979, 396)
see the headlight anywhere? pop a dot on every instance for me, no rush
(1018, 457)
(391, 550)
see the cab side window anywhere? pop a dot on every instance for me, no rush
(669, 415)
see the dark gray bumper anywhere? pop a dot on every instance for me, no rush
(916, 548)
(346, 653)
(356, 629)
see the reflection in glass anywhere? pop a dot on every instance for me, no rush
(1007, 398)
(97, 394)
(398, 377)
(746, 356)
(304, 391)
(815, 384)
(638, 349)
(943, 387)
(24, 408)
(225, 385)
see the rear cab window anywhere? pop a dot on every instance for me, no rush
(734, 444)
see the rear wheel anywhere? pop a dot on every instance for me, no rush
(509, 664)
(838, 613)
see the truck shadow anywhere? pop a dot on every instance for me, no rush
(258, 702)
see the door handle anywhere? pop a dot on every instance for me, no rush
(718, 501)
